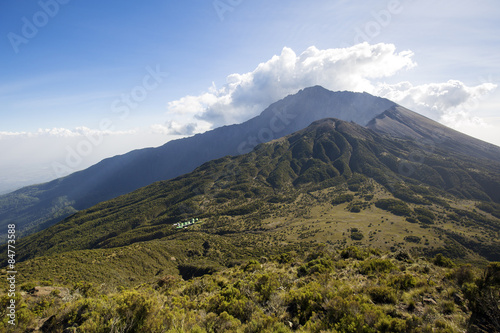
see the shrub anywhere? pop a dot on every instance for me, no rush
(413, 239)
(252, 265)
(424, 212)
(28, 286)
(266, 285)
(286, 258)
(232, 301)
(342, 198)
(425, 219)
(87, 289)
(463, 274)
(404, 282)
(221, 323)
(356, 236)
(442, 261)
(355, 209)
(305, 302)
(376, 265)
(355, 253)
(392, 325)
(319, 265)
(411, 220)
(396, 207)
(447, 307)
(383, 294)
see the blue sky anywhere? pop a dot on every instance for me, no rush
(61, 80)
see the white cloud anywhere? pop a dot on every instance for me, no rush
(174, 128)
(452, 102)
(245, 95)
(361, 67)
(358, 68)
(63, 133)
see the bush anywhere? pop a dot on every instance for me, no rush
(286, 258)
(404, 282)
(356, 236)
(411, 220)
(355, 253)
(424, 212)
(376, 265)
(342, 198)
(384, 295)
(463, 274)
(28, 286)
(306, 301)
(252, 266)
(413, 239)
(448, 307)
(396, 207)
(221, 323)
(320, 265)
(355, 209)
(425, 219)
(442, 261)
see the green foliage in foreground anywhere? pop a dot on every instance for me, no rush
(354, 290)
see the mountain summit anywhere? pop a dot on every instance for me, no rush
(298, 181)
(36, 207)
(39, 206)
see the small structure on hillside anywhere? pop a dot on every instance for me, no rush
(182, 225)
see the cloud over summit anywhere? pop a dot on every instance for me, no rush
(362, 67)
(245, 95)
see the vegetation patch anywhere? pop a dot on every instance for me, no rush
(356, 235)
(342, 199)
(287, 292)
(413, 239)
(396, 207)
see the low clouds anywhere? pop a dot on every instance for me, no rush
(450, 102)
(174, 128)
(362, 67)
(62, 133)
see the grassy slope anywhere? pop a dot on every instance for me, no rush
(281, 194)
(334, 186)
(353, 290)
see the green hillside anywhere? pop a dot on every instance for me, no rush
(312, 186)
(335, 185)
(321, 290)
(37, 207)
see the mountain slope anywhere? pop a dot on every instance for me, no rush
(36, 207)
(282, 182)
(403, 123)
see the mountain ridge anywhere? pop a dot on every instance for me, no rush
(403, 123)
(37, 207)
(244, 190)
(42, 205)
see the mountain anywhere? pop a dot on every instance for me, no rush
(335, 212)
(37, 207)
(321, 229)
(293, 190)
(403, 123)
